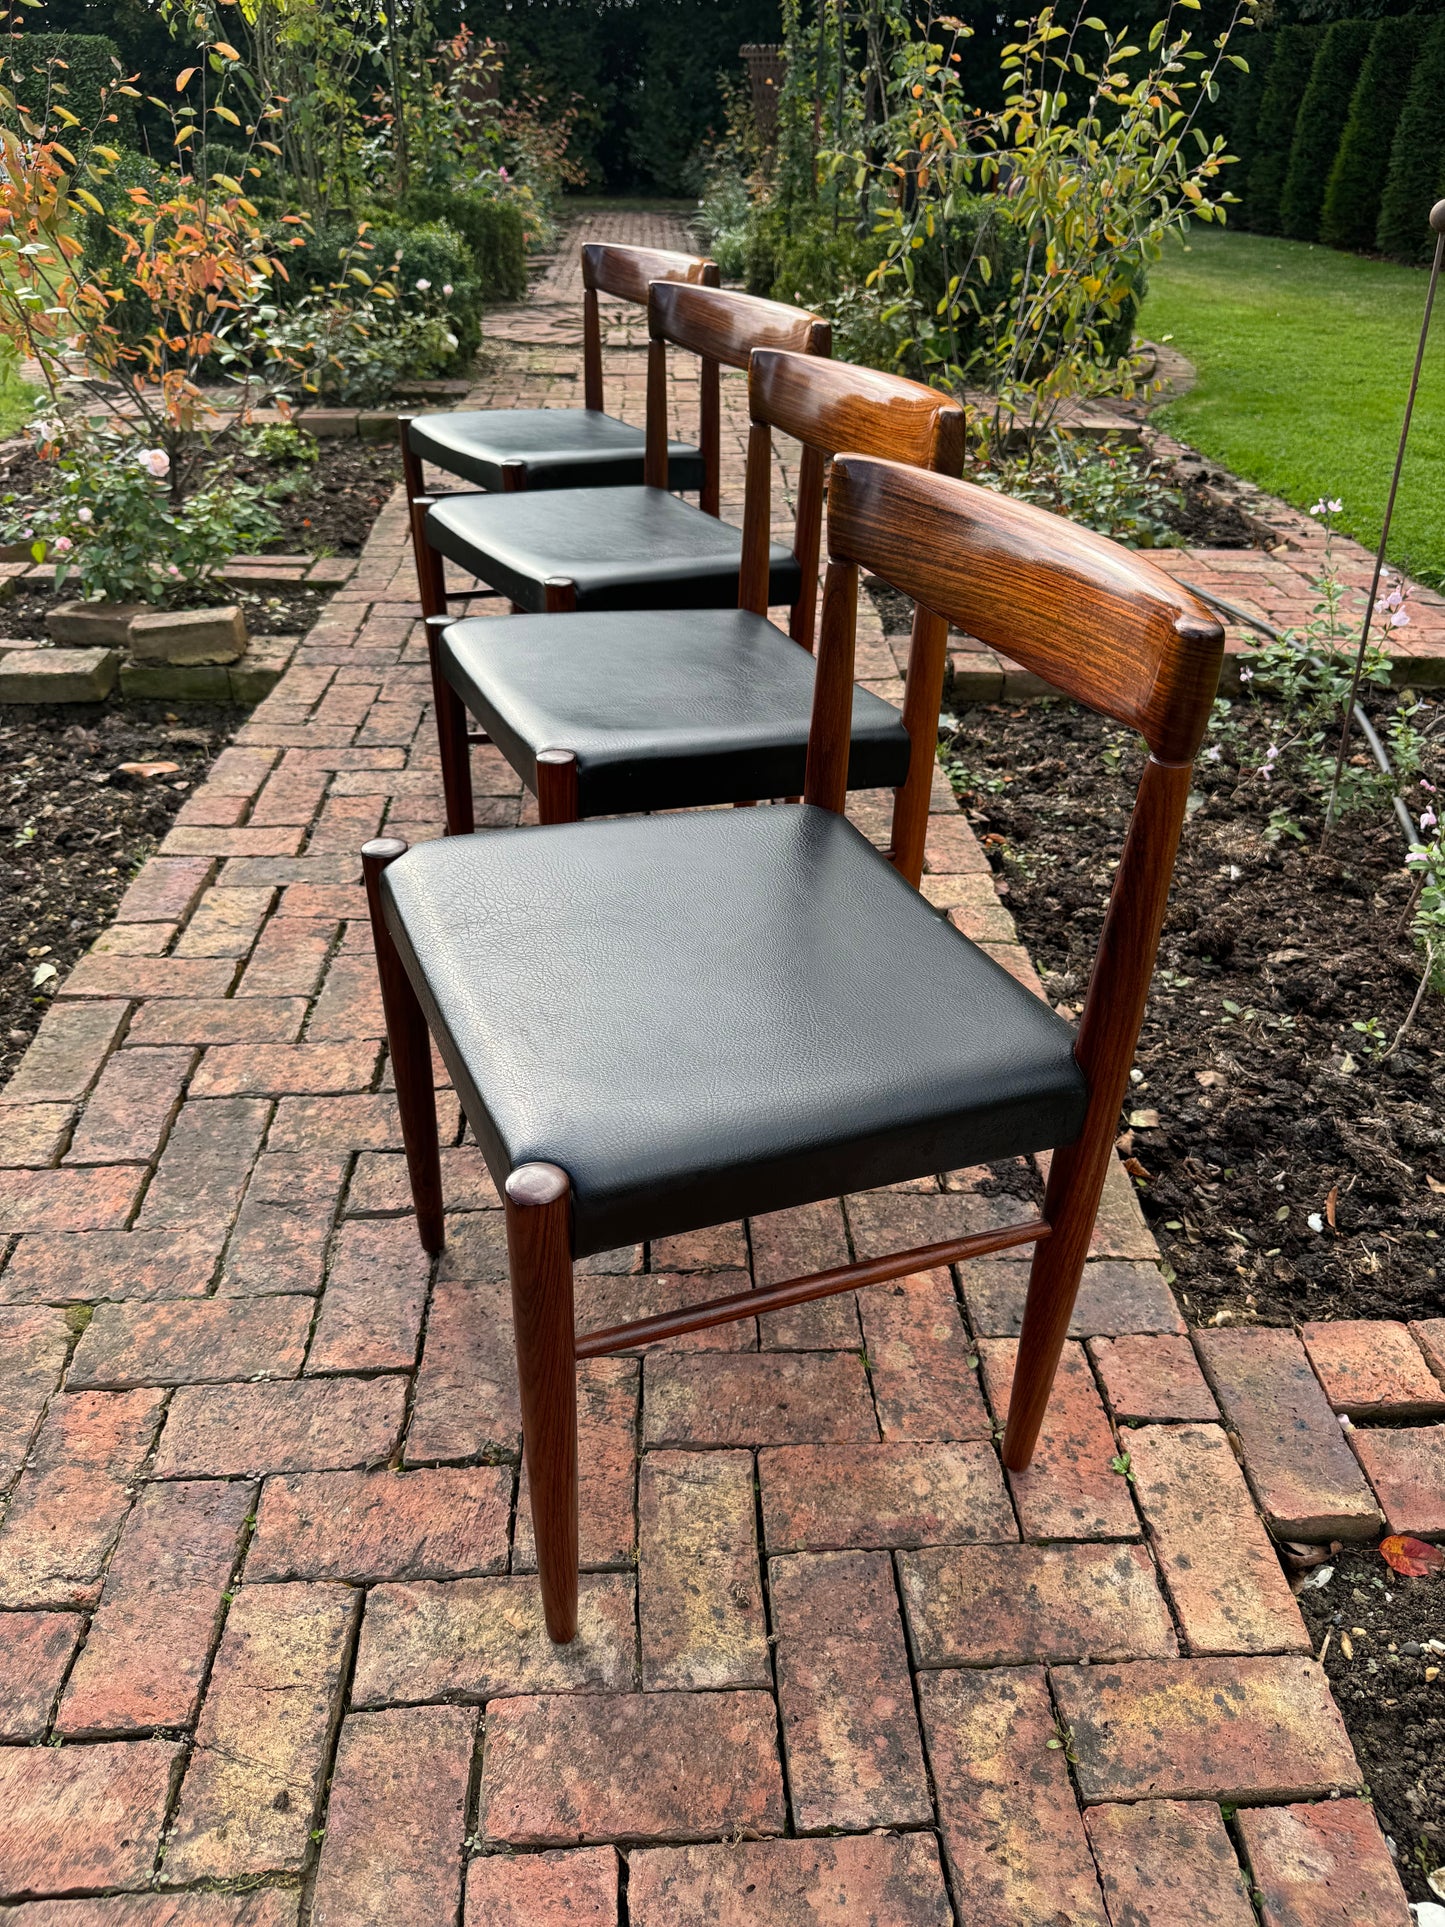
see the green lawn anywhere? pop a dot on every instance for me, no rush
(1304, 361)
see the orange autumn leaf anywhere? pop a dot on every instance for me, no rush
(1411, 1557)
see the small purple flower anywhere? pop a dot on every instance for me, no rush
(1428, 819)
(1246, 674)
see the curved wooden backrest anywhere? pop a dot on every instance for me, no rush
(830, 405)
(1092, 618)
(723, 326)
(628, 273)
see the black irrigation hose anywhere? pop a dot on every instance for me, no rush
(1366, 727)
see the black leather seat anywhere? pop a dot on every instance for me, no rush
(661, 712)
(700, 1016)
(557, 448)
(625, 548)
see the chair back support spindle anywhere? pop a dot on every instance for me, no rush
(626, 273)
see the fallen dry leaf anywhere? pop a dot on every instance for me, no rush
(1136, 1169)
(1411, 1557)
(1435, 1185)
(1330, 1206)
(1345, 1647)
(1144, 1120)
(1207, 1080)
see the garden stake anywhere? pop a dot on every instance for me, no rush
(1437, 222)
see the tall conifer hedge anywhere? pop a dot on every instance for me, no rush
(1319, 124)
(1289, 75)
(1351, 212)
(1416, 179)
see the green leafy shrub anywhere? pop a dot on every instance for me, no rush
(1320, 124)
(353, 353)
(399, 256)
(1098, 485)
(1351, 213)
(494, 229)
(76, 71)
(1289, 75)
(1417, 158)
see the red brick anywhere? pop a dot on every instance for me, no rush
(33, 1347)
(380, 1186)
(346, 822)
(66, 1053)
(1222, 1571)
(306, 1425)
(66, 1266)
(135, 939)
(275, 1070)
(251, 870)
(131, 1108)
(205, 810)
(1322, 1866)
(205, 1165)
(288, 959)
(63, 1200)
(239, 772)
(952, 849)
(765, 1398)
(699, 1589)
(79, 1817)
(476, 1249)
(821, 1498)
(363, 1526)
(392, 1856)
(484, 1639)
(605, 1299)
(251, 1791)
(150, 1642)
(166, 890)
(900, 1220)
(1168, 1860)
(73, 1495)
(259, 1907)
(1371, 1368)
(290, 796)
(1153, 1378)
(102, 974)
(717, 1247)
(1205, 1729)
(1011, 1605)
(1407, 1470)
(327, 902)
(854, 1757)
(557, 1889)
(1011, 1831)
(887, 1880)
(284, 1223)
(35, 1650)
(219, 1020)
(607, 1397)
(1429, 1335)
(1302, 1471)
(371, 1312)
(465, 1404)
(225, 923)
(1114, 1299)
(191, 1341)
(350, 1001)
(789, 1244)
(33, 1135)
(925, 1384)
(253, 840)
(1070, 1491)
(365, 1122)
(647, 1766)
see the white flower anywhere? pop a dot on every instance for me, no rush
(1399, 619)
(1428, 820)
(446, 287)
(422, 286)
(85, 515)
(451, 340)
(156, 461)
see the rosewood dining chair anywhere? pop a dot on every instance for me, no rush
(620, 711)
(660, 1023)
(570, 549)
(506, 449)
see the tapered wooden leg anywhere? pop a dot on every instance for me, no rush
(538, 1201)
(557, 800)
(413, 470)
(1070, 1204)
(410, 1045)
(452, 743)
(559, 595)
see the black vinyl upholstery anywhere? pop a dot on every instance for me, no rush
(625, 548)
(557, 447)
(662, 710)
(711, 1014)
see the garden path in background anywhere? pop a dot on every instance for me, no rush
(271, 1649)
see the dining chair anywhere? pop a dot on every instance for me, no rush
(506, 449)
(660, 1023)
(570, 549)
(620, 711)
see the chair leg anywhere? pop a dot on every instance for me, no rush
(557, 800)
(452, 744)
(1071, 1202)
(410, 1045)
(413, 470)
(538, 1201)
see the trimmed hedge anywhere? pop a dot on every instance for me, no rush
(90, 66)
(1320, 124)
(1289, 75)
(1245, 94)
(1350, 217)
(495, 233)
(1417, 158)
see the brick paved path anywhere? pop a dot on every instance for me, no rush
(270, 1644)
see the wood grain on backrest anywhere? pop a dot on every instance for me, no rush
(723, 326)
(628, 273)
(1092, 618)
(830, 405)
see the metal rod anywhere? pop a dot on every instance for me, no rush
(1437, 223)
